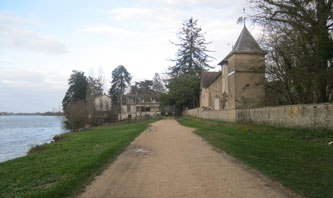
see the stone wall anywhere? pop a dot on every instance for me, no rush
(223, 115)
(303, 116)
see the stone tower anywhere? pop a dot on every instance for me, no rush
(243, 74)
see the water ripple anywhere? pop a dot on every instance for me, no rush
(19, 133)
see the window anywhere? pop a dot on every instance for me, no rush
(128, 108)
(144, 109)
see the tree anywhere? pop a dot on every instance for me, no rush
(305, 28)
(158, 86)
(142, 87)
(78, 84)
(76, 115)
(145, 87)
(134, 88)
(95, 87)
(74, 102)
(94, 90)
(191, 57)
(121, 79)
(183, 92)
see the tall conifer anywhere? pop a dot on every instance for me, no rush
(191, 57)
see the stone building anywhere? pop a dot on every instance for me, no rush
(241, 80)
(139, 106)
(103, 103)
(211, 90)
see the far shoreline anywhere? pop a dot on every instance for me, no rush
(32, 114)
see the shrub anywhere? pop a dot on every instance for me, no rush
(76, 116)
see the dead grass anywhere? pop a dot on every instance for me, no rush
(58, 138)
(35, 149)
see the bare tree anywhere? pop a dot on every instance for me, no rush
(302, 46)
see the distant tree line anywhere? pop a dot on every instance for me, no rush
(47, 113)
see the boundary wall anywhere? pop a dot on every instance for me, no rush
(295, 116)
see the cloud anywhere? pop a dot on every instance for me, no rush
(32, 80)
(24, 99)
(105, 29)
(15, 35)
(130, 13)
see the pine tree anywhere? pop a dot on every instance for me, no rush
(78, 84)
(121, 79)
(192, 56)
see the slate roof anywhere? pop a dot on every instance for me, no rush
(208, 77)
(244, 44)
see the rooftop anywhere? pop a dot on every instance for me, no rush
(245, 44)
(207, 77)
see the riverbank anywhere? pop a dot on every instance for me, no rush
(300, 159)
(64, 167)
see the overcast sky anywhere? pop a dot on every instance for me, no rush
(42, 41)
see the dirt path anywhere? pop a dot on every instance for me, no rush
(169, 160)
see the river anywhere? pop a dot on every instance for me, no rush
(19, 133)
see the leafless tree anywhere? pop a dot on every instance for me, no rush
(300, 47)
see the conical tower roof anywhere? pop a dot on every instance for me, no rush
(245, 44)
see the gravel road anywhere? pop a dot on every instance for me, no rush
(169, 160)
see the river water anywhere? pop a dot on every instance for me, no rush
(19, 133)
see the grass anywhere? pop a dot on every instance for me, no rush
(300, 159)
(63, 168)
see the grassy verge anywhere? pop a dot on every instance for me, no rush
(299, 159)
(64, 167)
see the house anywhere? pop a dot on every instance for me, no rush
(241, 82)
(135, 106)
(211, 90)
(103, 103)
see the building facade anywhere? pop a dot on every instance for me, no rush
(242, 78)
(139, 107)
(103, 103)
(211, 90)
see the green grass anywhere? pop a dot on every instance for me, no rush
(65, 167)
(300, 159)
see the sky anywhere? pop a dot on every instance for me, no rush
(42, 41)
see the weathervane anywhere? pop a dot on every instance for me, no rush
(244, 18)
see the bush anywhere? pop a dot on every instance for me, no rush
(76, 116)
(58, 138)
